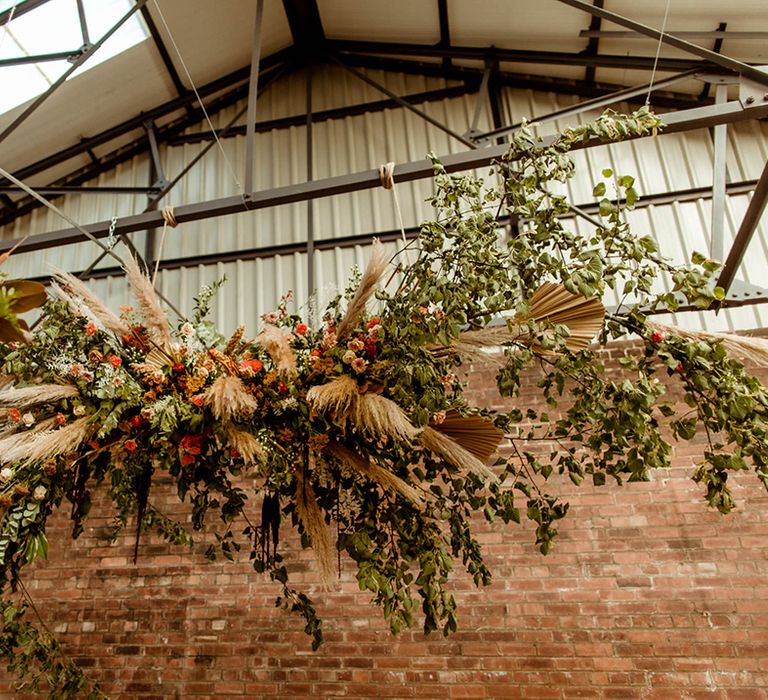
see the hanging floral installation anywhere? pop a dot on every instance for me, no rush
(354, 428)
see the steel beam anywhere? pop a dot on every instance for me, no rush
(310, 249)
(83, 24)
(306, 26)
(41, 58)
(253, 91)
(719, 177)
(482, 53)
(403, 103)
(595, 103)
(21, 9)
(80, 189)
(702, 117)
(156, 114)
(715, 34)
(671, 40)
(140, 146)
(445, 29)
(165, 56)
(594, 43)
(746, 231)
(328, 114)
(87, 53)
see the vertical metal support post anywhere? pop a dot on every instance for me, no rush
(253, 85)
(310, 202)
(717, 244)
(482, 96)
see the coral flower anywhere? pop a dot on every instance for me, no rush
(301, 328)
(115, 361)
(131, 446)
(90, 329)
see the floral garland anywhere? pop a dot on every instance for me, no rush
(360, 419)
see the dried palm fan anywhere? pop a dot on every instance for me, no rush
(584, 317)
(476, 434)
(453, 453)
(550, 302)
(743, 346)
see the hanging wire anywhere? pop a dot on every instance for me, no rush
(658, 51)
(199, 99)
(7, 27)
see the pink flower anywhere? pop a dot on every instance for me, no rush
(115, 361)
(28, 419)
(90, 329)
(359, 365)
(271, 317)
(349, 357)
(61, 419)
(301, 328)
(439, 314)
(439, 417)
(131, 446)
(14, 414)
(355, 345)
(423, 310)
(198, 400)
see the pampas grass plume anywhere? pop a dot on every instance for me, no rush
(227, 398)
(108, 318)
(312, 519)
(150, 309)
(373, 272)
(38, 394)
(275, 342)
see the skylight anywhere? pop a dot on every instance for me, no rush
(55, 28)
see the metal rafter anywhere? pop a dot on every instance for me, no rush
(595, 103)
(746, 231)
(671, 40)
(156, 114)
(87, 53)
(381, 88)
(165, 56)
(482, 53)
(41, 58)
(306, 26)
(328, 114)
(702, 117)
(594, 43)
(445, 29)
(141, 145)
(253, 91)
(21, 9)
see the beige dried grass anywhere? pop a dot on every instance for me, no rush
(373, 414)
(312, 519)
(150, 309)
(373, 272)
(77, 288)
(337, 396)
(379, 416)
(38, 394)
(746, 347)
(228, 399)
(453, 453)
(275, 341)
(383, 477)
(37, 446)
(247, 445)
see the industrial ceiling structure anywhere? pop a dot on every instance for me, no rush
(702, 63)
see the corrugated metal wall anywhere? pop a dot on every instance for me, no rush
(668, 163)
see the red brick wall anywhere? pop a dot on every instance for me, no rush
(648, 594)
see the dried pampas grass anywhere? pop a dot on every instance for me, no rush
(743, 346)
(150, 309)
(275, 342)
(379, 416)
(77, 288)
(249, 448)
(312, 519)
(373, 272)
(37, 446)
(454, 454)
(337, 396)
(383, 477)
(369, 413)
(227, 398)
(34, 395)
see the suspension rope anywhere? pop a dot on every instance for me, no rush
(199, 99)
(169, 219)
(658, 51)
(387, 179)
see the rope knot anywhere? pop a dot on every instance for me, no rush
(387, 175)
(169, 218)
